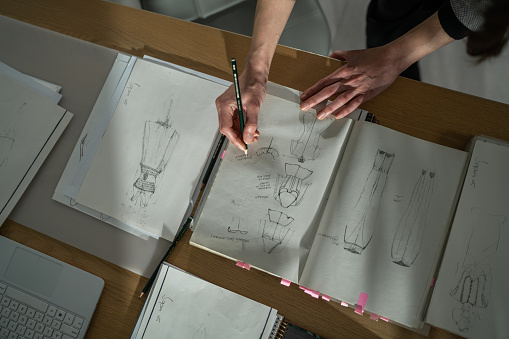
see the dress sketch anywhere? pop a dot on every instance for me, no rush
(306, 146)
(8, 136)
(238, 225)
(410, 232)
(474, 287)
(290, 189)
(268, 150)
(362, 221)
(275, 232)
(159, 140)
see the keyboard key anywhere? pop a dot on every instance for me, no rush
(20, 330)
(3, 287)
(78, 322)
(52, 310)
(12, 335)
(5, 301)
(38, 336)
(60, 315)
(68, 319)
(4, 322)
(30, 313)
(39, 328)
(47, 320)
(29, 334)
(26, 299)
(70, 331)
(12, 326)
(22, 309)
(48, 331)
(14, 305)
(56, 324)
(4, 333)
(31, 324)
(56, 335)
(38, 317)
(22, 320)
(14, 316)
(5, 312)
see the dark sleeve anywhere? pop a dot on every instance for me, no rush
(460, 17)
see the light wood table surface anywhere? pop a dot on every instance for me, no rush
(424, 111)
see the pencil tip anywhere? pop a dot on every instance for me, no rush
(245, 151)
(141, 295)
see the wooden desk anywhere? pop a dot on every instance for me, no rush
(428, 112)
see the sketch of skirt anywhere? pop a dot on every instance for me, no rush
(306, 147)
(275, 232)
(474, 287)
(290, 190)
(410, 232)
(361, 223)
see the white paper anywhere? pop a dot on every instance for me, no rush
(470, 295)
(154, 150)
(390, 188)
(262, 208)
(184, 306)
(30, 124)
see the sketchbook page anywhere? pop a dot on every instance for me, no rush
(184, 306)
(470, 295)
(263, 207)
(385, 222)
(153, 152)
(28, 121)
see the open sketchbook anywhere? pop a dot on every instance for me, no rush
(340, 207)
(181, 305)
(31, 123)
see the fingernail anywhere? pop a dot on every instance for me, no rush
(303, 96)
(304, 107)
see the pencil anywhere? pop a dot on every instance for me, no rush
(173, 244)
(239, 101)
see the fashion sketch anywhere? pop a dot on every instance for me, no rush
(474, 287)
(410, 232)
(238, 225)
(268, 150)
(290, 188)
(274, 232)
(306, 146)
(159, 140)
(362, 221)
(8, 136)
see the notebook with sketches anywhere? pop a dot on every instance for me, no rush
(341, 207)
(30, 124)
(181, 305)
(42, 296)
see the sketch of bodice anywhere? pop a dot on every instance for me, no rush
(159, 141)
(275, 231)
(306, 147)
(290, 190)
(362, 221)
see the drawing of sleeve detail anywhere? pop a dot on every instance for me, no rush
(474, 287)
(159, 140)
(306, 147)
(290, 190)
(409, 234)
(275, 232)
(361, 223)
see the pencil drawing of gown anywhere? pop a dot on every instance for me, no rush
(290, 190)
(410, 232)
(159, 140)
(306, 147)
(474, 287)
(275, 232)
(361, 223)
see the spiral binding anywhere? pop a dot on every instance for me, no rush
(279, 328)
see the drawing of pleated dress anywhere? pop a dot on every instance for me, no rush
(474, 287)
(159, 140)
(275, 231)
(410, 232)
(362, 221)
(306, 147)
(290, 190)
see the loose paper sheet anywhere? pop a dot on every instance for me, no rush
(263, 207)
(470, 296)
(28, 121)
(184, 306)
(385, 221)
(154, 150)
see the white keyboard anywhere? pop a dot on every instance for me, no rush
(23, 316)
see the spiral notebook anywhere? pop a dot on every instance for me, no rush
(181, 305)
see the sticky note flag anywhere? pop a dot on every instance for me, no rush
(373, 316)
(285, 282)
(344, 304)
(384, 319)
(243, 265)
(325, 297)
(361, 303)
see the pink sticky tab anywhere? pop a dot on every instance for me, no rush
(240, 264)
(359, 310)
(285, 282)
(384, 319)
(363, 298)
(303, 288)
(247, 266)
(325, 297)
(222, 155)
(373, 316)
(432, 282)
(344, 304)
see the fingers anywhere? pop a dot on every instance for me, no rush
(342, 100)
(341, 55)
(351, 106)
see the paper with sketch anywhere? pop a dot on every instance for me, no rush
(28, 120)
(183, 306)
(154, 150)
(470, 295)
(385, 221)
(262, 208)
